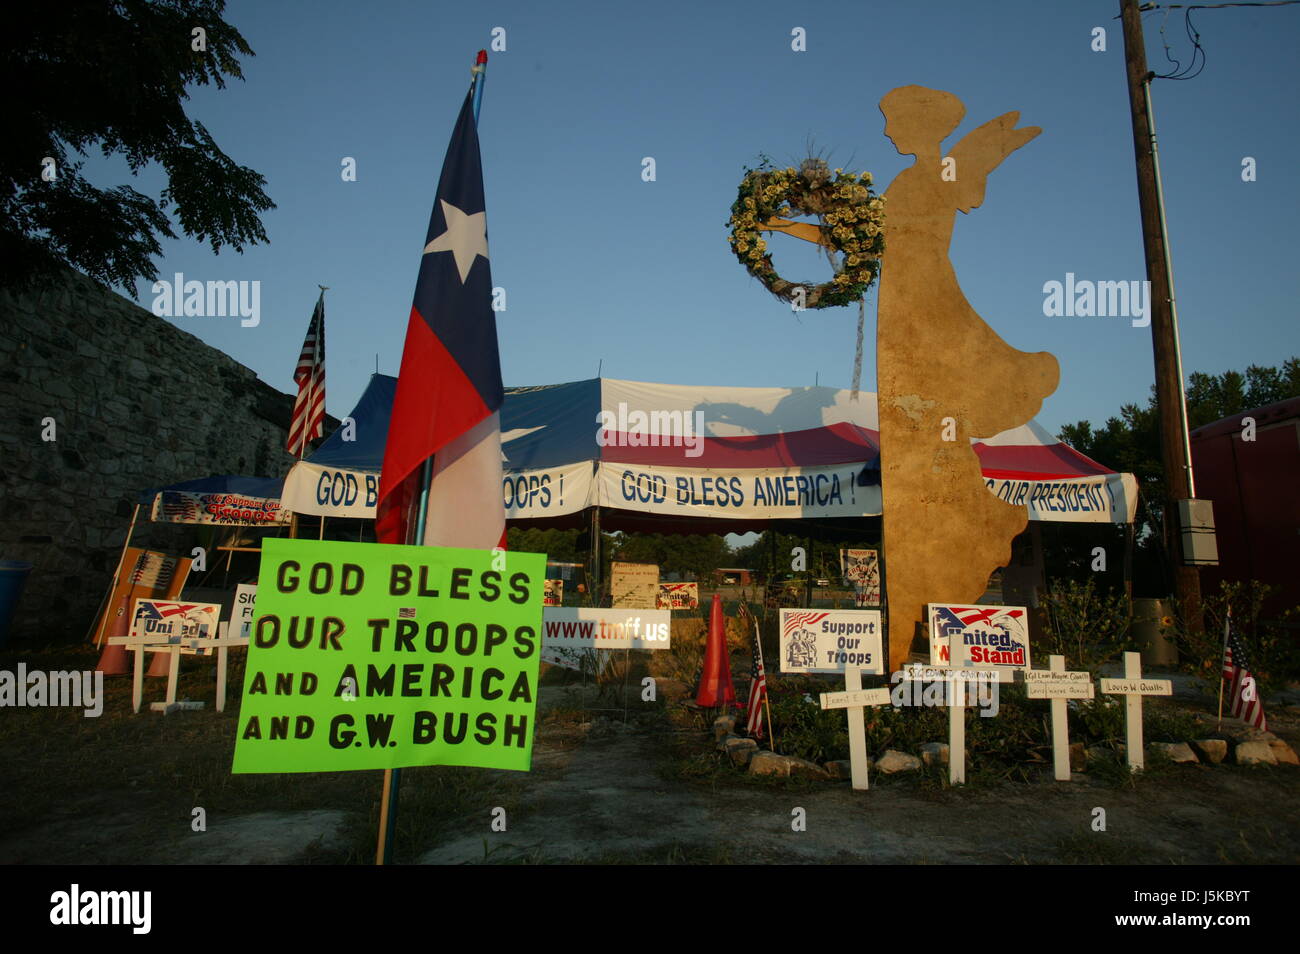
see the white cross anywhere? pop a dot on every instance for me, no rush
(855, 699)
(140, 644)
(1134, 687)
(957, 685)
(1058, 685)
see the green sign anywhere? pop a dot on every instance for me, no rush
(369, 656)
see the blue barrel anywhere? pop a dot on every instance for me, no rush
(12, 577)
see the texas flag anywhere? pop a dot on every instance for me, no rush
(449, 387)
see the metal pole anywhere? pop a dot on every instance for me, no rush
(393, 777)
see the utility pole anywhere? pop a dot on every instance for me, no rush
(1175, 450)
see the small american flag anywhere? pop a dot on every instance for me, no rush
(309, 408)
(757, 683)
(1243, 691)
(406, 612)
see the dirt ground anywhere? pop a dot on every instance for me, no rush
(122, 789)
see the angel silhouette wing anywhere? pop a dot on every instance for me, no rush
(807, 231)
(981, 151)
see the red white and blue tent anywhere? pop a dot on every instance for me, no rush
(741, 455)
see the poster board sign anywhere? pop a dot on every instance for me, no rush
(634, 585)
(553, 593)
(678, 596)
(370, 656)
(979, 637)
(176, 622)
(1049, 684)
(232, 510)
(581, 627)
(866, 596)
(861, 567)
(245, 608)
(145, 573)
(831, 640)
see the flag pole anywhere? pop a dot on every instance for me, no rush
(302, 445)
(1227, 624)
(767, 696)
(393, 777)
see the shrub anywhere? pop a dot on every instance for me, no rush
(1088, 628)
(1271, 645)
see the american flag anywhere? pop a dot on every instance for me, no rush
(309, 409)
(793, 621)
(757, 682)
(981, 614)
(1244, 700)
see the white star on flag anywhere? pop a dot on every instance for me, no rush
(517, 432)
(465, 238)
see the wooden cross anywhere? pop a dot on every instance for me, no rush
(956, 686)
(855, 699)
(1058, 685)
(140, 644)
(1134, 687)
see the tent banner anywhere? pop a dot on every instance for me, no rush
(183, 506)
(330, 491)
(342, 492)
(1105, 498)
(777, 492)
(547, 491)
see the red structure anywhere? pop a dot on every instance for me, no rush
(1254, 485)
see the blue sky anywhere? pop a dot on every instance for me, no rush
(601, 266)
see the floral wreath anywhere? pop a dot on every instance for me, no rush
(852, 223)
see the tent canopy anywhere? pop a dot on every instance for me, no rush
(725, 453)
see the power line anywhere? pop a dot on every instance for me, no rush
(1216, 6)
(1195, 67)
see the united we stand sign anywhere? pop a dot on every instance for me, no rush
(979, 637)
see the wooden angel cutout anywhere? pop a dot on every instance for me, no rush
(944, 376)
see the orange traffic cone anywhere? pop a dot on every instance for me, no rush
(715, 683)
(113, 660)
(160, 665)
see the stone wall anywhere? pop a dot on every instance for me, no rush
(136, 403)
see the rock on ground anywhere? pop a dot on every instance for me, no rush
(843, 768)
(894, 761)
(740, 751)
(784, 766)
(1254, 753)
(1213, 751)
(723, 726)
(1283, 753)
(1174, 751)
